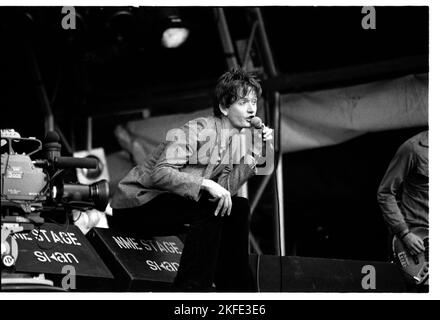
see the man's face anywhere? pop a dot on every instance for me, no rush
(242, 111)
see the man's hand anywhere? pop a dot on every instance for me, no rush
(265, 137)
(413, 243)
(219, 194)
(267, 134)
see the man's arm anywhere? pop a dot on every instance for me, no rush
(390, 188)
(167, 174)
(233, 177)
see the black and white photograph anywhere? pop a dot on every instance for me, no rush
(218, 150)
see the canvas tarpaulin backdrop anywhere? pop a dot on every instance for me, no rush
(312, 119)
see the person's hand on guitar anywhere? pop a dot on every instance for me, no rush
(414, 243)
(410, 249)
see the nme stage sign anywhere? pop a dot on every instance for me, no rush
(50, 247)
(152, 259)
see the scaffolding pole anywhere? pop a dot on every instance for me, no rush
(231, 60)
(274, 98)
(275, 107)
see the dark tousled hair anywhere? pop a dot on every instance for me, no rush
(233, 85)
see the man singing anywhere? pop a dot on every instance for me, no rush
(192, 178)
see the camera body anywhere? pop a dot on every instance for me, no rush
(30, 187)
(22, 182)
(36, 185)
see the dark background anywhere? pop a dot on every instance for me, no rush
(112, 64)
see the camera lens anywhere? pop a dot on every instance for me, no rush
(96, 193)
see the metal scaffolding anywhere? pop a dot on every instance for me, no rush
(258, 37)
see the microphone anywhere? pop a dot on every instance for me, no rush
(71, 162)
(52, 146)
(257, 123)
(52, 152)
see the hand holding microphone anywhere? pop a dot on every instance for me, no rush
(267, 137)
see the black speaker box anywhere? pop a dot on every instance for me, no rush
(49, 248)
(302, 274)
(139, 263)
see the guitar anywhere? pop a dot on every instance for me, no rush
(416, 266)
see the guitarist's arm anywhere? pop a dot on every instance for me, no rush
(387, 194)
(390, 189)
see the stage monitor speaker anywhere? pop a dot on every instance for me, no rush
(303, 274)
(139, 263)
(51, 248)
(88, 176)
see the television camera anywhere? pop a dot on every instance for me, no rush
(33, 189)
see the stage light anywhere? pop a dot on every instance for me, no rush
(174, 37)
(175, 30)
